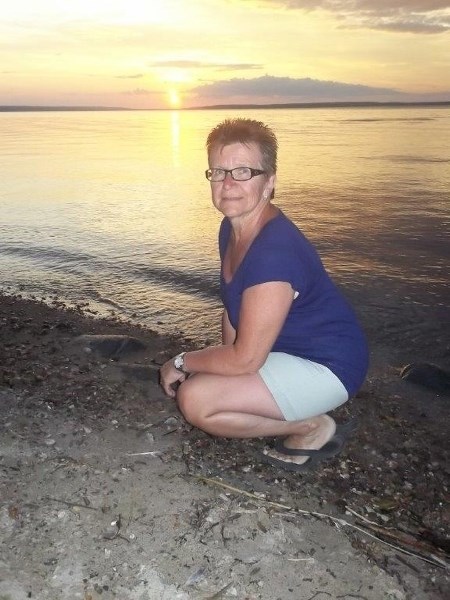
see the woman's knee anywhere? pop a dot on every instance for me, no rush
(189, 403)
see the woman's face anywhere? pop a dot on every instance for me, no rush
(239, 198)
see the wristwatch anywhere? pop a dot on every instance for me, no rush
(178, 362)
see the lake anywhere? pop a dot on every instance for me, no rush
(113, 208)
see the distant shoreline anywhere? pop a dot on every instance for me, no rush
(309, 105)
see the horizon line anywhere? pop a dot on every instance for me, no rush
(332, 104)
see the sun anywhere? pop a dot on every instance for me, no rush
(174, 98)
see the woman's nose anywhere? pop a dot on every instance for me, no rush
(228, 179)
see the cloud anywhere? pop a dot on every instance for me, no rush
(177, 64)
(197, 64)
(139, 92)
(407, 26)
(137, 76)
(238, 67)
(372, 5)
(270, 89)
(412, 16)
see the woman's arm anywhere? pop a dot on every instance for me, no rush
(228, 331)
(264, 309)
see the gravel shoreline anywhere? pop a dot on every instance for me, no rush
(79, 430)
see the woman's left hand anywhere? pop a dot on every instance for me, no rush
(168, 375)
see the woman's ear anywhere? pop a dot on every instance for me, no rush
(270, 190)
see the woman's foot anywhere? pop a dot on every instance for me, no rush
(321, 431)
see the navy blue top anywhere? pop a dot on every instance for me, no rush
(320, 326)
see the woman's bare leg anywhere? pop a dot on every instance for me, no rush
(243, 407)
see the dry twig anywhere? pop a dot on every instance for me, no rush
(431, 558)
(71, 504)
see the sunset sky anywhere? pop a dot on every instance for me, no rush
(181, 53)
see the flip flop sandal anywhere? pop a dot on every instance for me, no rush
(309, 465)
(330, 449)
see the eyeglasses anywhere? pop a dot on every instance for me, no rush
(238, 174)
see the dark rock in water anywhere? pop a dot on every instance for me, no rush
(427, 375)
(111, 346)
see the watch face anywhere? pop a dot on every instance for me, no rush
(178, 362)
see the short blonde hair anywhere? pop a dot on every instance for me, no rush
(246, 131)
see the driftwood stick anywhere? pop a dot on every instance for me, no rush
(430, 558)
(71, 504)
(408, 540)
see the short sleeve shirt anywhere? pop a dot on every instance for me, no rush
(320, 326)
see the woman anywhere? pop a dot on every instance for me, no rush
(291, 349)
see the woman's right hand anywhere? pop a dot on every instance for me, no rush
(168, 376)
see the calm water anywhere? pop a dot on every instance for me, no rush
(113, 207)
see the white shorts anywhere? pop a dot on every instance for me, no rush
(301, 388)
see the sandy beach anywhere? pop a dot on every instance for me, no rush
(108, 493)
